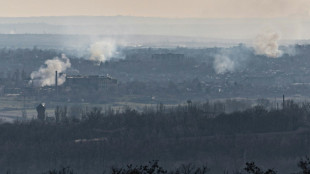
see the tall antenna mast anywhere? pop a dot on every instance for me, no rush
(56, 83)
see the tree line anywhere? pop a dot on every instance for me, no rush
(195, 132)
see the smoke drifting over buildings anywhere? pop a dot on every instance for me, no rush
(267, 44)
(103, 51)
(45, 76)
(223, 64)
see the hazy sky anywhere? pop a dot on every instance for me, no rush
(157, 8)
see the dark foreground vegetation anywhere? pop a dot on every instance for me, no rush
(195, 133)
(154, 168)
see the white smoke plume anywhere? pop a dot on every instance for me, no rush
(45, 76)
(223, 64)
(267, 44)
(103, 51)
(289, 50)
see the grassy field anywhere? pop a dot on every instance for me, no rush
(11, 107)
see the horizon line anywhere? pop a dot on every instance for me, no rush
(159, 17)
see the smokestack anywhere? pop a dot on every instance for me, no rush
(283, 101)
(45, 75)
(56, 82)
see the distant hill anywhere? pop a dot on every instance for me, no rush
(129, 25)
(83, 42)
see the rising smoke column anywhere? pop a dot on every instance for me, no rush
(102, 51)
(267, 44)
(45, 76)
(223, 64)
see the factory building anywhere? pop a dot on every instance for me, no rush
(169, 57)
(93, 81)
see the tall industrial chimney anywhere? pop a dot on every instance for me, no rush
(56, 82)
(283, 104)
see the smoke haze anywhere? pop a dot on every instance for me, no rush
(45, 76)
(223, 64)
(103, 51)
(267, 44)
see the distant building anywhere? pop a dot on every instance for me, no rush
(2, 87)
(169, 57)
(93, 81)
(41, 111)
